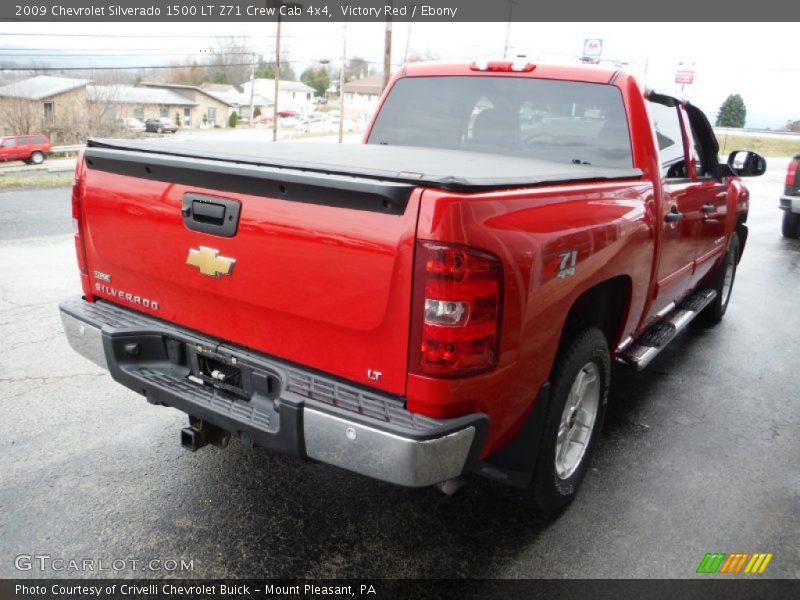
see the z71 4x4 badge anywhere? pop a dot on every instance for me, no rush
(567, 266)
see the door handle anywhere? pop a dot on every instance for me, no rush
(673, 216)
(709, 208)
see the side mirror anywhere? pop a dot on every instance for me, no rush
(747, 164)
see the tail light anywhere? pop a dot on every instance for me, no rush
(80, 251)
(77, 225)
(501, 66)
(791, 172)
(457, 310)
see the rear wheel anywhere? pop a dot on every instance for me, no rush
(791, 225)
(37, 158)
(579, 395)
(722, 283)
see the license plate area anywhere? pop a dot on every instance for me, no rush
(220, 374)
(228, 374)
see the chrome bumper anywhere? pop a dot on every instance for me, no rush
(790, 203)
(311, 416)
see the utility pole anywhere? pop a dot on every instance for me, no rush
(341, 84)
(511, 4)
(277, 81)
(252, 91)
(387, 53)
(408, 43)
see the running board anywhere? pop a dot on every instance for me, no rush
(643, 350)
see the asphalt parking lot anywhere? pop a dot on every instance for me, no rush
(700, 453)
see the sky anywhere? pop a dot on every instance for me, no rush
(758, 61)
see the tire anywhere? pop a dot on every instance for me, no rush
(160, 130)
(713, 313)
(562, 460)
(37, 158)
(791, 225)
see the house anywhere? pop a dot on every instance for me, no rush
(361, 96)
(239, 99)
(292, 95)
(52, 105)
(111, 102)
(207, 109)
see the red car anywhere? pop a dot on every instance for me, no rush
(445, 298)
(30, 149)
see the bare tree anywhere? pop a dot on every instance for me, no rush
(102, 107)
(235, 55)
(19, 114)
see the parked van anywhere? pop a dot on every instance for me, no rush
(30, 149)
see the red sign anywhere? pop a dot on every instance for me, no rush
(684, 76)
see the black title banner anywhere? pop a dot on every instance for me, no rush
(397, 10)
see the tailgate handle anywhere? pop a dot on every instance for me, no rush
(208, 214)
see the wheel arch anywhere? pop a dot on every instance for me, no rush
(604, 305)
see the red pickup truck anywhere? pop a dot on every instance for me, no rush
(445, 298)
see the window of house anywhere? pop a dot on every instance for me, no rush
(138, 112)
(211, 113)
(187, 117)
(163, 111)
(48, 113)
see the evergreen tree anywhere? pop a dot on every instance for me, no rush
(732, 113)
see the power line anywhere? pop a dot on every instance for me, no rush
(150, 35)
(179, 66)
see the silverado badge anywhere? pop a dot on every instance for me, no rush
(210, 262)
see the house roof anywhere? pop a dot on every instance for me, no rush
(181, 86)
(268, 85)
(243, 98)
(370, 86)
(219, 88)
(42, 86)
(128, 94)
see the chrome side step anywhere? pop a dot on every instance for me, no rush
(644, 349)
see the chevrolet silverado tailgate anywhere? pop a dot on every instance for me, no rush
(312, 268)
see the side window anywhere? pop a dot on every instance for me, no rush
(24, 141)
(704, 143)
(38, 139)
(667, 125)
(698, 153)
(9, 143)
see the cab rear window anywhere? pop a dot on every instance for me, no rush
(563, 121)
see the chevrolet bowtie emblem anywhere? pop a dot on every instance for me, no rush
(210, 262)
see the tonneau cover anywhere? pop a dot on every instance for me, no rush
(447, 169)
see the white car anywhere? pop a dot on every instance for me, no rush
(132, 124)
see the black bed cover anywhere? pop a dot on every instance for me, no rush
(447, 169)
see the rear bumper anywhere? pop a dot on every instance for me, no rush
(276, 405)
(790, 203)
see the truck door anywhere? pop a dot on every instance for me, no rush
(681, 208)
(712, 191)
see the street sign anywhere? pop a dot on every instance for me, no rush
(684, 76)
(592, 47)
